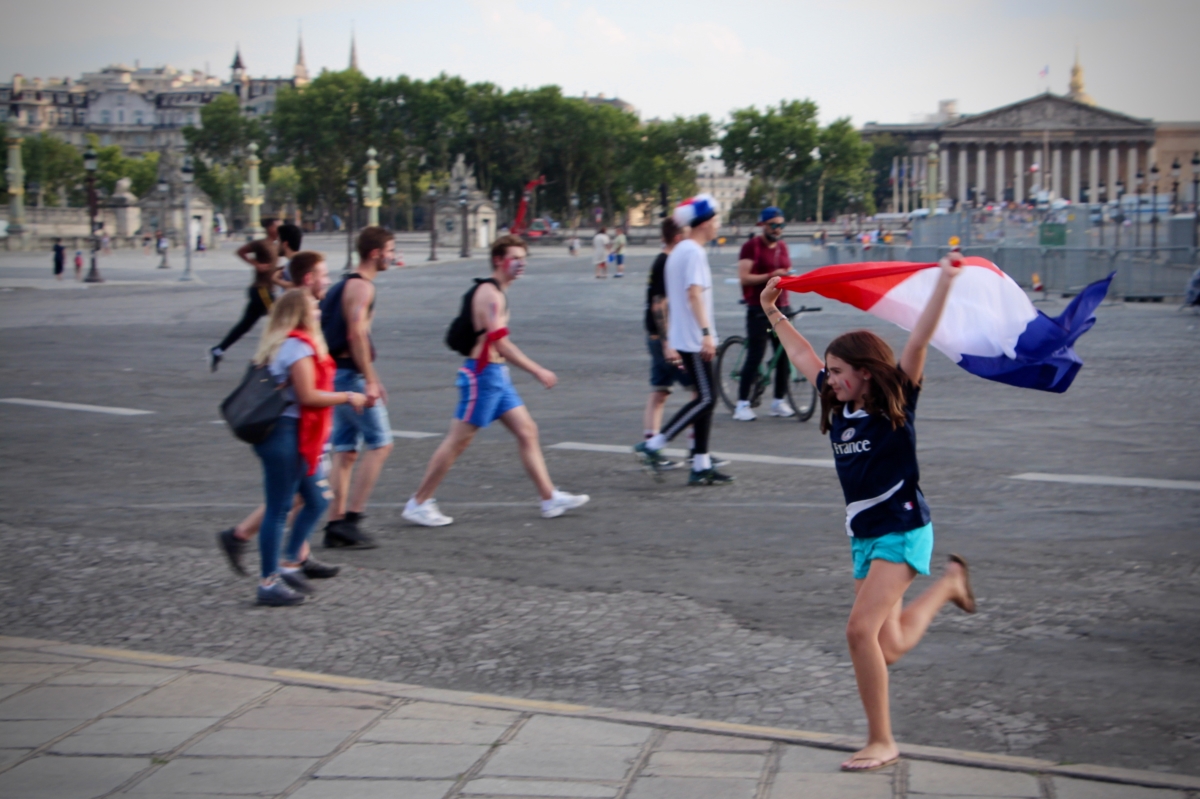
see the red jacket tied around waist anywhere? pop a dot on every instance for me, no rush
(315, 423)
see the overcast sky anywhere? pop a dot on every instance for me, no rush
(872, 60)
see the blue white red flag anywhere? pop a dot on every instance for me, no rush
(892, 174)
(989, 327)
(1044, 72)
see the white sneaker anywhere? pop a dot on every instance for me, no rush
(780, 407)
(743, 412)
(560, 502)
(425, 514)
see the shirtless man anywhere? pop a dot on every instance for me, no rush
(486, 394)
(261, 255)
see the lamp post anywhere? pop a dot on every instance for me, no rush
(1101, 198)
(932, 175)
(391, 193)
(1153, 207)
(254, 191)
(433, 193)
(14, 173)
(352, 195)
(91, 162)
(465, 252)
(1119, 218)
(164, 242)
(1175, 172)
(1137, 217)
(574, 214)
(189, 174)
(371, 193)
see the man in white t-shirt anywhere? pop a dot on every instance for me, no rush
(601, 244)
(692, 334)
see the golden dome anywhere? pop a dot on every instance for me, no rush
(1077, 91)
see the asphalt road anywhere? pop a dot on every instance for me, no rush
(1087, 642)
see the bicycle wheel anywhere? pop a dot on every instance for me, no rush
(802, 395)
(730, 357)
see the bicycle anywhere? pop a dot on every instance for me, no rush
(732, 354)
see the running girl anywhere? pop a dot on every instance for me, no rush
(868, 403)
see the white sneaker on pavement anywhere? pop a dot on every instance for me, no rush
(425, 514)
(743, 412)
(560, 502)
(780, 407)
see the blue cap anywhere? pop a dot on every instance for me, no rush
(770, 212)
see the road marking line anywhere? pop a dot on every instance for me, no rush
(74, 406)
(532, 704)
(291, 674)
(1103, 480)
(683, 453)
(414, 434)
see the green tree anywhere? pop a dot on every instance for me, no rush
(844, 156)
(55, 166)
(113, 165)
(283, 188)
(668, 152)
(774, 145)
(886, 147)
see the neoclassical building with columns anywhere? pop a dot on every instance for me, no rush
(1062, 144)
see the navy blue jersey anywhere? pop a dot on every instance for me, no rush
(877, 466)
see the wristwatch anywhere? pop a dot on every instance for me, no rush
(704, 331)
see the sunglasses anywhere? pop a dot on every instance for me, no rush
(775, 225)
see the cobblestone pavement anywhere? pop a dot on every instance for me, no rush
(724, 604)
(78, 722)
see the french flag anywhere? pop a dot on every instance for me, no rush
(989, 327)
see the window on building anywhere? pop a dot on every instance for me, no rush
(3, 114)
(121, 116)
(138, 119)
(105, 118)
(191, 118)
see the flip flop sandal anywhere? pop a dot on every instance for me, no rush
(882, 765)
(968, 605)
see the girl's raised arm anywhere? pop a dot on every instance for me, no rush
(799, 351)
(912, 360)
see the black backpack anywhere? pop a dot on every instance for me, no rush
(254, 407)
(462, 335)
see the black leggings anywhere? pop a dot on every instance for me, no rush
(697, 413)
(258, 307)
(758, 330)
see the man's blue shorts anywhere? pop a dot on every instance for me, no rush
(663, 374)
(370, 429)
(619, 258)
(485, 397)
(914, 547)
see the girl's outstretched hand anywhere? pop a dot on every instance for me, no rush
(770, 293)
(951, 264)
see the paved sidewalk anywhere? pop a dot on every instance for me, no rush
(79, 722)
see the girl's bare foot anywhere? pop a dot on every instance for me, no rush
(872, 757)
(963, 596)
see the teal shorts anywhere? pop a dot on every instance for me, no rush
(914, 547)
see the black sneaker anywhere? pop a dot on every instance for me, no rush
(233, 547)
(214, 359)
(709, 477)
(652, 459)
(316, 570)
(297, 582)
(278, 595)
(344, 534)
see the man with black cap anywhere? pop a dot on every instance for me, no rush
(763, 257)
(691, 332)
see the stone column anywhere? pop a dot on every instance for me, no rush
(15, 175)
(1056, 182)
(1114, 169)
(253, 192)
(372, 196)
(962, 173)
(1019, 174)
(1094, 174)
(1131, 168)
(1001, 182)
(1075, 173)
(980, 171)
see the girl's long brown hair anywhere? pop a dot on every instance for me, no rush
(862, 349)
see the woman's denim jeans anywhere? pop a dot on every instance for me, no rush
(284, 476)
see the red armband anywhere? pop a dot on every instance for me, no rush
(484, 354)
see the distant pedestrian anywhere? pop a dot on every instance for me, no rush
(486, 394)
(295, 351)
(618, 252)
(60, 258)
(346, 316)
(106, 244)
(666, 367)
(78, 264)
(261, 255)
(601, 246)
(146, 243)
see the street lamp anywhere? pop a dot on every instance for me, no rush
(575, 213)
(1119, 218)
(1153, 207)
(391, 193)
(189, 174)
(91, 162)
(1175, 172)
(1137, 219)
(164, 243)
(465, 252)
(1101, 200)
(352, 195)
(433, 193)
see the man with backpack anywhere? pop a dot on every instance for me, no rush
(346, 314)
(486, 391)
